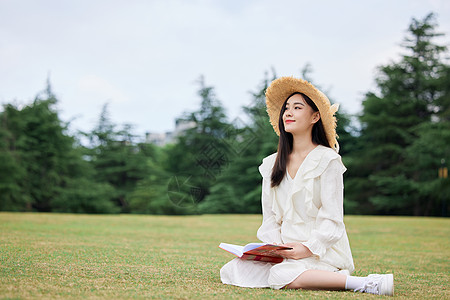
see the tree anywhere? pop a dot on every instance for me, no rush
(42, 168)
(117, 159)
(238, 187)
(200, 153)
(12, 172)
(412, 98)
(38, 141)
(151, 193)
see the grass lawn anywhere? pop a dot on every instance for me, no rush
(132, 256)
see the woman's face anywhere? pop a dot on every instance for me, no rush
(299, 117)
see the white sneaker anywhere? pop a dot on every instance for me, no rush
(378, 284)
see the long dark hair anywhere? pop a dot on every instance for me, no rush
(285, 143)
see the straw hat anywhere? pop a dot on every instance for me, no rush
(283, 87)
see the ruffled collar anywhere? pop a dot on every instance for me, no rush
(313, 166)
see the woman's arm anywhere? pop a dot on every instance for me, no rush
(270, 230)
(329, 225)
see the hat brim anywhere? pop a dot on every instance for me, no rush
(283, 87)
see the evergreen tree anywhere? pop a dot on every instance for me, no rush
(410, 93)
(12, 172)
(151, 193)
(40, 145)
(200, 153)
(42, 168)
(238, 187)
(117, 159)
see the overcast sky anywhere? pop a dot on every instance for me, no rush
(145, 57)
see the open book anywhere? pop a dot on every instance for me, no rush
(256, 251)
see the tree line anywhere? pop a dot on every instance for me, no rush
(393, 150)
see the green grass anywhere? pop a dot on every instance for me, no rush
(128, 256)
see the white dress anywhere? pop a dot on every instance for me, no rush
(307, 209)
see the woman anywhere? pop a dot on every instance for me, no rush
(302, 200)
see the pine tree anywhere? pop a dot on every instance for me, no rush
(200, 153)
(12, 174)
(42, 168)
(118, 160)
(151, 193)
(41, 146)
(238, 187)
(410, 94)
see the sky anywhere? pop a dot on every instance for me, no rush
(145, 57)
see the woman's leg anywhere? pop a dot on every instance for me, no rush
(326, 280)
(319, 280)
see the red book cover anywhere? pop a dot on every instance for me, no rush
(256, 251)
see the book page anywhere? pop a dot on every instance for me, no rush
(233, 249)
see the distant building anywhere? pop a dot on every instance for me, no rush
(161, 139)
(158, 139)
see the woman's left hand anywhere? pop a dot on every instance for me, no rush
(298, 251)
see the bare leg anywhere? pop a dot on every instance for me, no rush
(319, 280)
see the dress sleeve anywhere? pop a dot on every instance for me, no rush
(265, 201)
(270, 230)
(329, 225)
